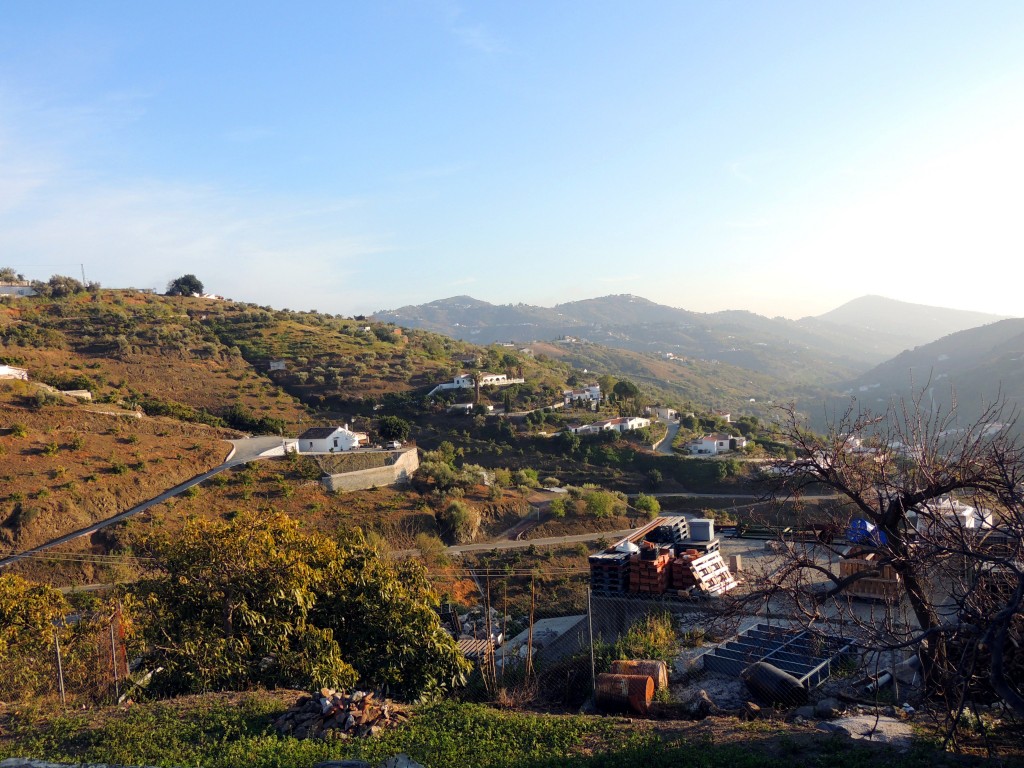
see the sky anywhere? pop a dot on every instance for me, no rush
(782, 157)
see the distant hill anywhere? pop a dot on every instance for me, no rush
(817, 351)
(978, 365)
(899, 322)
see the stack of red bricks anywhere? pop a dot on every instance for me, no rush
(682, 572)
(650, 575)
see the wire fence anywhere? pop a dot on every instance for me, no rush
(82, 660)
(541, 637)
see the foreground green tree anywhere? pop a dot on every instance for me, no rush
(30, 616)
(256, 602)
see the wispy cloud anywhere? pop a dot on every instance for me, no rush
(55, 209)
(478, 38)
(471, 34)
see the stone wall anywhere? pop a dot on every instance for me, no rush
(397, 472)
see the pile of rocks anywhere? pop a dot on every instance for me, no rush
(334, 714)
(473, 625)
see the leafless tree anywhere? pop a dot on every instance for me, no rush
(945, 503)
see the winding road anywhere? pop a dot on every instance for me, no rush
(242, 452)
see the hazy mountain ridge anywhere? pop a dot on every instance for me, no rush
(828, 349)
(978, 365)
(918, 323)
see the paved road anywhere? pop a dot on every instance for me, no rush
(242, 452)
(665, 446)
(761, 496)
(551, 541)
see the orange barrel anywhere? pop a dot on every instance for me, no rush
(656, 670)
(633, 691)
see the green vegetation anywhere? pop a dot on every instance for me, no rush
(32, 617)
(186, 285)
(648, 505)
(458, 522)
(255, 602)
(393, 428)
(217, 734)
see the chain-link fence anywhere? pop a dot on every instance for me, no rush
(540, 636)
(81, 659)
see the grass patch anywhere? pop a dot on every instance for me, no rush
(219, 731)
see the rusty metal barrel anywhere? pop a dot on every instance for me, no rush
(656, 670)
(615, 691)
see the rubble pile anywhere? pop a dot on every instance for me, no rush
(473, 625)
(332, 714)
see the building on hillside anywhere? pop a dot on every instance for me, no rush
(331, 440)
(17, 288)
(469, 380)
(11, 372)
(493, 380)
(618, 424)
(716, 443)
(588, 394)
(725, 416)
(662, 412)
(277, 365)
(624, 423)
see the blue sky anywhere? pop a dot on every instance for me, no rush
(781, 157)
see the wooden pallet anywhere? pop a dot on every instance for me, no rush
(710, 574)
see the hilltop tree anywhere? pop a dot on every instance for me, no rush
(60, 286)
(186, 285)
(904, 472)
(8, 275)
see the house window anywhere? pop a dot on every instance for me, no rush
(335, 442)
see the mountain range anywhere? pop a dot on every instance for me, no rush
(829, 349)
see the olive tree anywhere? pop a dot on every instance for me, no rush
(186, 285)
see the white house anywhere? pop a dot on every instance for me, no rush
(278, 365)
(17, 288)
(330, 440)
(468, 381)
(715, 443)
(589, 394)
(493, 380)
(662, 412)
(625, 423)
(10, 372)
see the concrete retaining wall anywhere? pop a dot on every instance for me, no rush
(398, 472)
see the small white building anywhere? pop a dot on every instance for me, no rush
(663, 412)
(469, 380)
(715, 443)
(330, 440)
(589, 394)
(619, 424)
(10, 372)
(17, 288)
(278, 365)
(493, 380)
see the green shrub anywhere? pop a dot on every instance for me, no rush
(649, 505)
